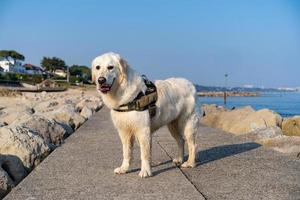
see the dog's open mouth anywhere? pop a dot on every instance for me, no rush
(105, 88)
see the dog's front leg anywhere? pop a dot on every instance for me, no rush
(144, 138)
(127, 140)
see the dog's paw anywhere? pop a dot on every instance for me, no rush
(120, 170)
(188, 165)
(177, 161)
(145, 173)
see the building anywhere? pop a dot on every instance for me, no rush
(31, 69)
(11, 65)
(60, 72)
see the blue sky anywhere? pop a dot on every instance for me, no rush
(256, 42)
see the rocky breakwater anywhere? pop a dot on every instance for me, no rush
(262, 126)
(34, 124)
(229, 94)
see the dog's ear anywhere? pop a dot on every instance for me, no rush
(123, 66)
(93, 73)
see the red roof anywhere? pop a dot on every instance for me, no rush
(32, 67)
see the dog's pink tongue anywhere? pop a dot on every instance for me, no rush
(104, 89)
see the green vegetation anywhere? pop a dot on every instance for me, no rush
(52, 64)
(80, 73)
(11, 54)
(26, 78)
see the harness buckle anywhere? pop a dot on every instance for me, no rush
(152, 110)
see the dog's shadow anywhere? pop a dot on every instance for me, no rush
(219, 152)
(208, 155)
(213, 154)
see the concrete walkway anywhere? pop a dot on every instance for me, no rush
(229, 168)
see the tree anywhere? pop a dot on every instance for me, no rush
(80, 71)
(52, 64)
(7, 54)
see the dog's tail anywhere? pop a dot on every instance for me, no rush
(196, 112)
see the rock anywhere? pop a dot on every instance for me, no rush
(3, 124)
(95, 104)
(225, 120)
(52, 132)
(6, 184)
(43, 94)
(29, 110)
(67, 115)
(47, 106)
(79, 106)
(211, 108)
(86, 112)
(283, 144)
(19, 118)
(52, 104)
(242, 120)
(228, 94)
(69, 130)
(12, 172)
(13, 167)
(78, 120)
(2, 113)
(263, 133)
(256, 120)
(291, 126)
(68, 101)
(29, 147)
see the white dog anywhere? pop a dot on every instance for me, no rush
(176, 107)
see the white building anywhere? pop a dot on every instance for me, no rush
(60, 72)
(12, 65)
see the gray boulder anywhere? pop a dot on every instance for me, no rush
(23, 143)
(6, 183)
(52, 132)
(13, 166)
(67, 115)
(2, 124)
(283, 144)
(86, 112)
(12, 172)
(93, 103)
(263, 133)
(47, 106)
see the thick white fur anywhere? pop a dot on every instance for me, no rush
(176, 108)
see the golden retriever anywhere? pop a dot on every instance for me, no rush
(176, 107)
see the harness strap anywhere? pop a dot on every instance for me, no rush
(142, 101)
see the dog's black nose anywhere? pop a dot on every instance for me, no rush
(101, 80)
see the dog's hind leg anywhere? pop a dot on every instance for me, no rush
(127, 142)
(190, 129)
(175, 132)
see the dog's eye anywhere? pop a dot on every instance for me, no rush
(110, 67)
(97, 67)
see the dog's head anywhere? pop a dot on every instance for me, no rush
(108, 71)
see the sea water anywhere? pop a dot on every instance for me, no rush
(285, 103)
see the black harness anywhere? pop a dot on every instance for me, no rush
(142, 101)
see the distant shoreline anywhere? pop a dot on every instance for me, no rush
(229, 94)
